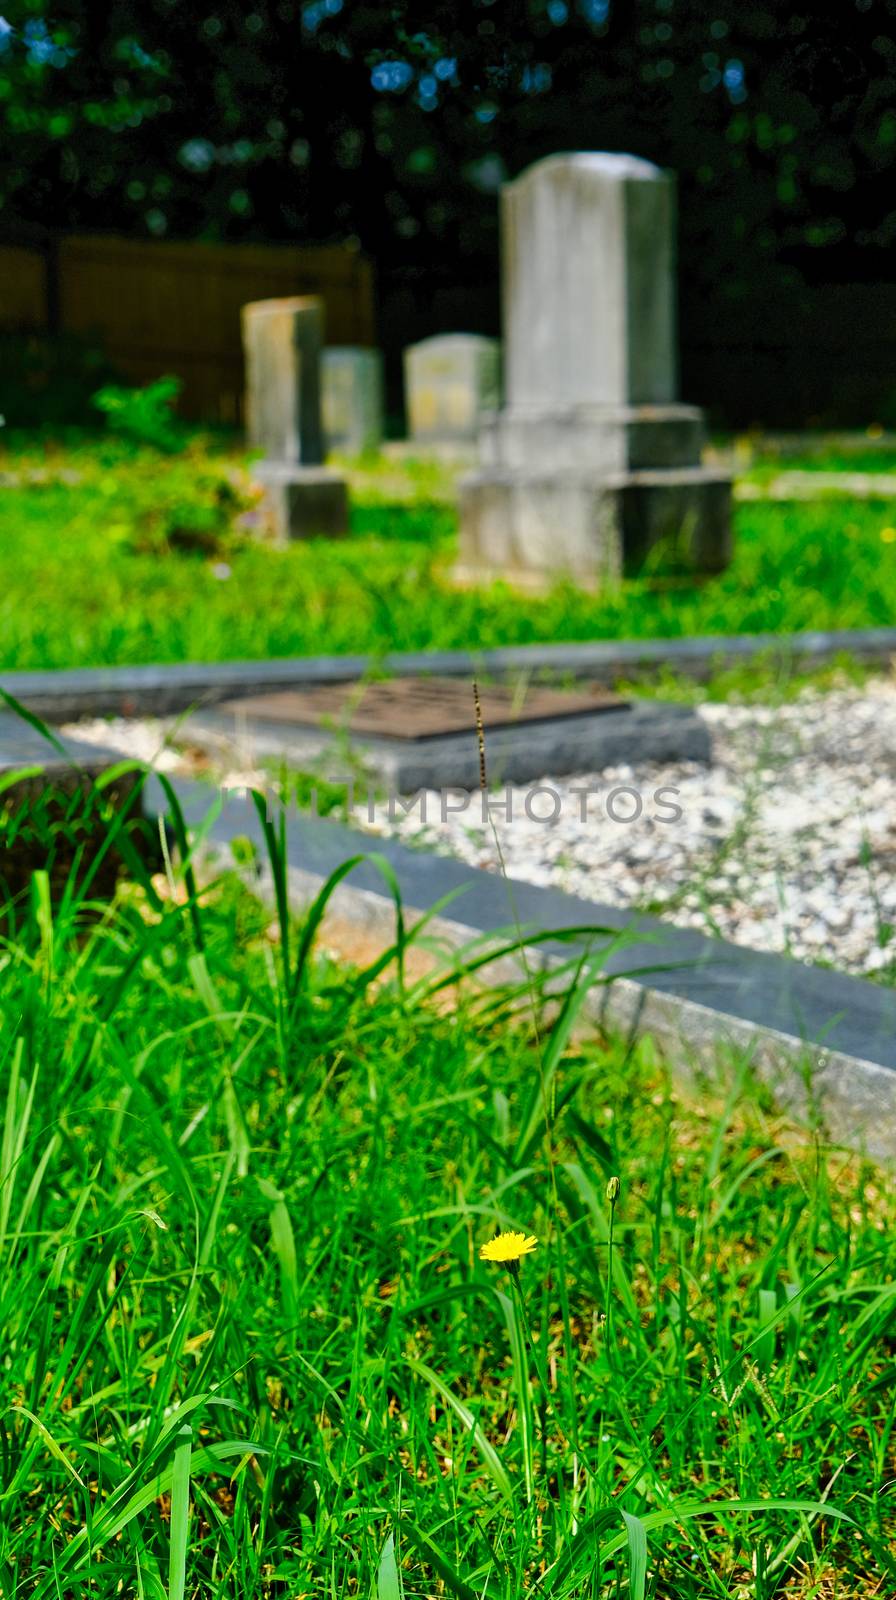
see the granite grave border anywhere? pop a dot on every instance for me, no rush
(161, 690)
(824, 1042)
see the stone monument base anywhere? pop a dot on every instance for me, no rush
(532, 528)
(304, 502)
(592, 439)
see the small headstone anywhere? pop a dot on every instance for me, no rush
(352, 380)
(283, 340)
(450, 380)
(593, 462)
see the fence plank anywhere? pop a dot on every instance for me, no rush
(160, 307)
(23, 288)
(166, 307)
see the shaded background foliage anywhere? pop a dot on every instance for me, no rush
(394, 126)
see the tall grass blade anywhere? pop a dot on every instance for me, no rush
(577, 1555)
(54, 1448)
(276, 853)
(180, 1513)
(517, 1338)
(636, 1534)
(489, 1454)
(284, 1246)
(35, 722)
(388, 1584)
(441, 1566)
(179, 826)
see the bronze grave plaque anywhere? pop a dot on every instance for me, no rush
(420, 708)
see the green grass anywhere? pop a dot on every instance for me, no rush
(868, 460)
(811, 450)
(769, 678)
(249, 1347)
(129, 564)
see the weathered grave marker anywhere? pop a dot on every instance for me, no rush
(282, 340)
(593, 461)
(352, 398)
(450, 380)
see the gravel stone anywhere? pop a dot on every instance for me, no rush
(786, 843)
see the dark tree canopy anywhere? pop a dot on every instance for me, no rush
(395, 123)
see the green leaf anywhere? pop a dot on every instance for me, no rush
(388, 1584)
(180, 1513)
(489, 1454)
(765, 1346)
(521, 1383)
(636, 1534)
(54, 1449)
(284, 1243)
(128, 1501)
(443, 1569)
(581, 1548)
(538, 1110)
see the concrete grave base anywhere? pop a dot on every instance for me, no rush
(530, 527)
(594, 440)
(642, 731)
(304, 502)
(689, 508)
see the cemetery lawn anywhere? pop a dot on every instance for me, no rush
(869, 460)
(113, 555)
(250, 1347)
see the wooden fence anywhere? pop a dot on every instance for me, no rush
(159, 308)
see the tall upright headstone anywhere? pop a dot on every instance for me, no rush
(449, 381)
(352, 397)
(282, 342)
(593, 461)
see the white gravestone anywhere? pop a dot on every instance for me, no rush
(352, 380)
(450, 380)
(282, 341)
(592, 462)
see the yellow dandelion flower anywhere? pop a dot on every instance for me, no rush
(507, 1248)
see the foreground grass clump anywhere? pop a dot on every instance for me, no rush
(250, 1348)
(138, 556)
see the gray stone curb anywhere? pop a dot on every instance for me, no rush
(824, 1042)
(164, 690)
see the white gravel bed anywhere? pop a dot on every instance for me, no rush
(786, 843)
(159, 743)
